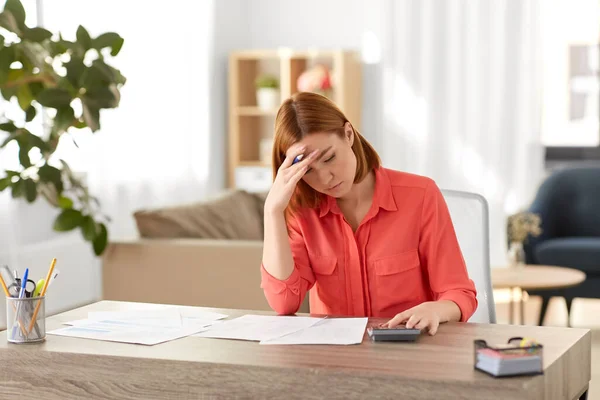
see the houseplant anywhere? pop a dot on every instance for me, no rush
(69, 82)
(520, 226)
(267, 91)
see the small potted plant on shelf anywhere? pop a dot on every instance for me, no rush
(316, 79)
(267, 91)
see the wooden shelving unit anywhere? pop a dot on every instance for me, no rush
(250, 125)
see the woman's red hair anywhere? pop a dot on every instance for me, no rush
(303, 114)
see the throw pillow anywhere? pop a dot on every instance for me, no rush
(233, 215)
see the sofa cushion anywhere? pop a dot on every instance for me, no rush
(233, 215)
(574, 252)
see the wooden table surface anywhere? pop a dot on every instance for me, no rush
(434, 367)
(531, 277)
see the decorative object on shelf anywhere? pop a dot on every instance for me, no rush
(267, 92)
(520, 226)
(66, 84)
(266, 150)
(316, 79)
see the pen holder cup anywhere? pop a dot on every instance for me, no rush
(26, 319)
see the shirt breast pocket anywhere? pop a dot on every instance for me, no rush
(398, 279)
(327, 278)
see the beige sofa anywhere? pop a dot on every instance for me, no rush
(205, 254)
(200, 272)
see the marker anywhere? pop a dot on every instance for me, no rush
(38, 287)
(297, 159)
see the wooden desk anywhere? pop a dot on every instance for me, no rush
(438, 367)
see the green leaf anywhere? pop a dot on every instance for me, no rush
(9, 22)
(117, 47)
(54, 98)
(64, 118)
(17, 188)
(75, 69)
(108, 39)
(96, 76)
(35, 54)
(101, 97)
(8, 127)
(65, 202)
(68, 220)
(36, 141)
(30, 114)
(89, 228)
(4, 183)
(24, 155)
(36, 88)
(16, 9)
(2, 41)
(37, 34)
(24, 96)
(52, 175)
(83, 38)
(91, 116)
(101, 239)
(30, 190)
(7, 56)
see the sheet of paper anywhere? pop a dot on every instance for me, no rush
(121, 331)
(258, 327)
(344, 331)
(170, 317)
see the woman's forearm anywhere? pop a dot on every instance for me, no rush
(277, 253)
(448, 311)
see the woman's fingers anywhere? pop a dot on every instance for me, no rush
(293, 153)
(433, 328)
(397, 320)
(298, 174)
(412, 321)
(422, 324)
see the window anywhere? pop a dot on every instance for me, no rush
(570, 80)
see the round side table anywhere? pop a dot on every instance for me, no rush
(533, 277)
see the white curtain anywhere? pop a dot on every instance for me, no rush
(461, 100)
(153, 149)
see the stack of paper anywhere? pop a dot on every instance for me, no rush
(290, 330)
(147, 326)
(516, 362)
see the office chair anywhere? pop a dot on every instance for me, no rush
(469, 214)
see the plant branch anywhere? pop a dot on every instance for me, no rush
(46, 78)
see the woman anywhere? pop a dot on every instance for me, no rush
(367, 241)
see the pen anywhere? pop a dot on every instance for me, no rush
(37, 307)
(21, 295)
(24, 283)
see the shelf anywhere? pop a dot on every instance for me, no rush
(255, 111)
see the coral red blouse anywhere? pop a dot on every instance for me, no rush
(404, 252)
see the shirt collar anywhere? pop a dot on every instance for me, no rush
(382, 198)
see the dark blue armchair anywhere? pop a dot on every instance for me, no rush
(568, 203)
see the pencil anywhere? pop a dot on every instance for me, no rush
(37, 307)
(4, 286)
(13, 306)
